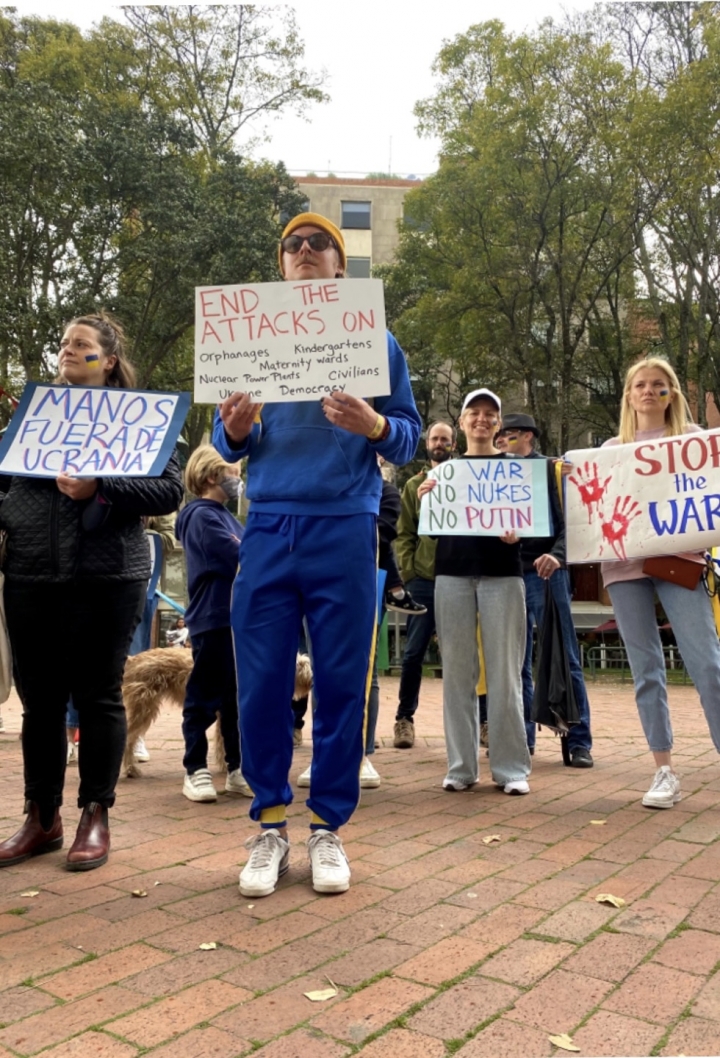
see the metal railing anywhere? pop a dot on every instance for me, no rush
(606, 658)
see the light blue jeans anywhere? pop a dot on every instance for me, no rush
(690, 615)
(499, 605)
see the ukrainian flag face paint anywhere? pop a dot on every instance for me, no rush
(82, 361)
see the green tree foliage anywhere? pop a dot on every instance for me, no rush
(573, 221)
(108, 198)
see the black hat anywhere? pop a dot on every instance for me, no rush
(519, 421)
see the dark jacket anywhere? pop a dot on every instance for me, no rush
(53, 538)
(211, 539)
(534, 546)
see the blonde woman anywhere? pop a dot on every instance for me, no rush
(653, 407)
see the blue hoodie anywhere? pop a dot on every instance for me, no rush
(299, 463)
(211, 539)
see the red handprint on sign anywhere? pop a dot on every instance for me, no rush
(590, 488)
(615, 531)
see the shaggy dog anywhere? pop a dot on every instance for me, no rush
(161, 675)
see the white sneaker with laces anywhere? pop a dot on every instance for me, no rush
(235, 783)
(269, 859)
(140, 752)
(519, 786)
(665, 789)
(72, 754)
(454, 786)
(369, 778)
(330, 867)
(304, 779)
(199, 786)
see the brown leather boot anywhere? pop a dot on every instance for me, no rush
(31, 839)
(92, 842)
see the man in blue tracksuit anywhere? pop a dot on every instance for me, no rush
(309, 549)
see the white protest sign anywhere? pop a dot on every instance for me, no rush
(291, 341)
(658, 497)
(487, 497)
(92, 431)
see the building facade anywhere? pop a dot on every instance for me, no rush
(366, 210)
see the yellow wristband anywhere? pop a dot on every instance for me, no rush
(377, 429)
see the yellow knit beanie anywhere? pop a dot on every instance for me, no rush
(315, 220)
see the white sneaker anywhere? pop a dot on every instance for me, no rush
(140, 751)
(520, 786)
(269, 859)
(330, 867)
(369, 778)
(2, 724)
(454, 785)
(199, 786)
(304, 779)
(665, 789)
(72, 754)
(235, 783)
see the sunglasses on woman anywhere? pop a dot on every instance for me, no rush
(318, 241)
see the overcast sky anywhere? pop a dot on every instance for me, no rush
(378, 59)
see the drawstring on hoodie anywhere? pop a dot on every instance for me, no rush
(287, 528)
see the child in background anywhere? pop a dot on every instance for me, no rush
(211, 537)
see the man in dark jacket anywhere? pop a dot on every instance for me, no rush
(543, 560)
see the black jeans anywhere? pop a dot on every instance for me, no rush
(420, 631)
(72, 639)
(211, 689)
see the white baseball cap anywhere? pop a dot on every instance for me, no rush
(487, 394)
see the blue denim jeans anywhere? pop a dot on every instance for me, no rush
(419, 632)
(691, 617)
(579, 736)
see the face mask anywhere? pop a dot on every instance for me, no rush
(232, 487)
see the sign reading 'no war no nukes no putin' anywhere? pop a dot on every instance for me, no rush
(291, 341)
(659, 497)
(92, 431)
(487, 497)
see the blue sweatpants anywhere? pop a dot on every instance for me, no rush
(322, 568)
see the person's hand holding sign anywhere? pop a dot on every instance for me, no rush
(426, 486)
(238, 413)
(352, 414)
(77, 488)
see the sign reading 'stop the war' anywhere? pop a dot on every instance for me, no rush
(658, 497)
(291, 341)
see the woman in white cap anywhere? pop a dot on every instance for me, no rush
(478, 582)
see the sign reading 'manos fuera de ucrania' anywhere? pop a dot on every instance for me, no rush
(659, 497)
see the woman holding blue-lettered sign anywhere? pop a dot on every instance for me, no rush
(479, 581)
(654, 407)
(77, 555)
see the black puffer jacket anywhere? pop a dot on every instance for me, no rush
(53, 538)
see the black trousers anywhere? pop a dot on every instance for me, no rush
(72, 639)
(211, 689)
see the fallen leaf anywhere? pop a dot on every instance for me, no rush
(157, 883)
(322, 995)
(210, 945)
(608, 898)
(138, 892)
(564, 1041)
(491, 838)
(598, 822)
(31, 892)
(79, 947)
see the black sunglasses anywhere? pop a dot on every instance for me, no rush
(318, 241)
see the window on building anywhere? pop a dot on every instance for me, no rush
(355, 215)
(358, 267)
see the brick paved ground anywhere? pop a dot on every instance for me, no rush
(442, 945)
